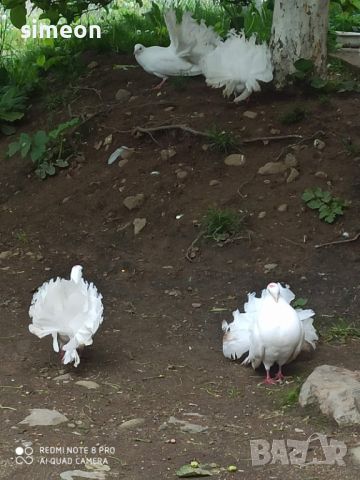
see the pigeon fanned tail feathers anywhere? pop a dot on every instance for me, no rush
(69, 310)
(238, 64)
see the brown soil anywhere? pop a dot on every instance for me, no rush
(157, 355)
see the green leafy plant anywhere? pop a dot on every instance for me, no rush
(46, 150)
(299, 302)
(341, 332)
(12, 107)
(222, 140)
(219, 224)
(329, 207)
(294, 115)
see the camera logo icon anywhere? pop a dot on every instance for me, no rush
(24, 455)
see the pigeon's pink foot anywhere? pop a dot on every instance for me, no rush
(268, 380)
(158, 87)
(279, 376)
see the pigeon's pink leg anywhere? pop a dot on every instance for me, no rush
(279, 375)
(157, 87)
(268, 380)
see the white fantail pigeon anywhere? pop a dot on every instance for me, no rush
(238, 64)
(270, 330)
(189, 43)
(69, 310)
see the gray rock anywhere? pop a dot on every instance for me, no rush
(167, 153)
(139, 224)
(282, 208)
(6, 254)
(337, 392)
(122, 95)
(92, 65)
(355, 454)
(187, 426)
(250, 114)
(133, 423)
(90, 385)
(235, 160)
(214, 183)
(44, 416)
(272, 168)
(319, 144)
(134, 201)
(181, 174)
(74, 474)
(293, 175)
(321, 174)
(291, 160)
(262, 214)
(123, 162)
(275, 131)
(63, 378)
(269, 267)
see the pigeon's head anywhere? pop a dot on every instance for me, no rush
(274, 290)
(138, 49)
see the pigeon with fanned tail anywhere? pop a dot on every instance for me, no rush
(269, 331)
(238, 64)
(189, 43)
(69, 310)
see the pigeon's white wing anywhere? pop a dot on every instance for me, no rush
(236, 340)
(164, 62)
(238, 64)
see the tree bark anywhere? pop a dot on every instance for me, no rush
(299, 30)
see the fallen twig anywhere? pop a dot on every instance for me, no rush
(338, 242)
(7, 408)
(319, 133)
(190, 250)
(199, 133)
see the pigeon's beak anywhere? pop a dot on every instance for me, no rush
(275, 296)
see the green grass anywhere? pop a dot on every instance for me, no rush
(294, 115)
(219, 224)
(222, 140)
(341, 332)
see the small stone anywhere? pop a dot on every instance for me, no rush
(282, 208)
(250, 114)
(63, 378)
(139, 224)
(269, 267)
(321, 174)
(71, 425)
(319, 144)
(291, 160)
(169, 109)
(134, 201)
(108, 140)
(196, 305)
(261, 214)
(92, 65)
(4, 255)
(89, 384)
(235, 160)
(187, 426)
(205, 147)
(123, 162)
(122, 95)
(275, 131)
(293, 175)
(98, 145)
(355, 454)
(272, 168)
(131, 424)
(172, 440)
(214, 183)
(167, 153)
(181, 174)
(44, 416)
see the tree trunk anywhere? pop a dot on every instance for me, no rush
(299, 30)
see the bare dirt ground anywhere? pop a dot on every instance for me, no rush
(158, 353)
